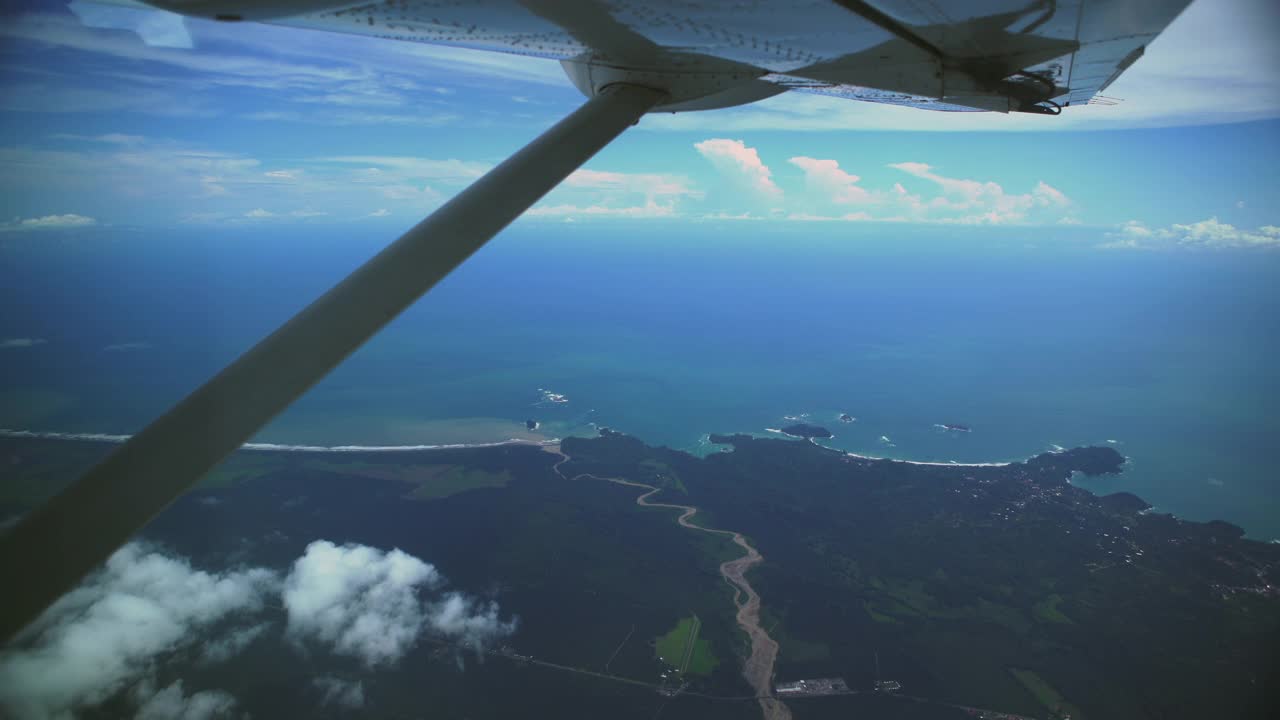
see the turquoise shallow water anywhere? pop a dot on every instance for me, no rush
(674, 331)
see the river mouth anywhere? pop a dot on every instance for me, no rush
(758, 667)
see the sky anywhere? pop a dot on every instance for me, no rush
(257, 125)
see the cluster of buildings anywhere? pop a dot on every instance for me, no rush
(816, 686)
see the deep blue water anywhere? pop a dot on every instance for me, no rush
(671, 331)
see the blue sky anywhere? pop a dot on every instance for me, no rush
(257, 125)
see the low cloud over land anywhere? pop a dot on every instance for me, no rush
(110, 635)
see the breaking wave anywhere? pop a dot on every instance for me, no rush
(280, 447)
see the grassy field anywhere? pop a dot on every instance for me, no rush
(453, 479)
(427, 481)
(1047, 610)
(1045, 693)
(683, 649)
(238, 468)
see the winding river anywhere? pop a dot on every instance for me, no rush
(758, 668)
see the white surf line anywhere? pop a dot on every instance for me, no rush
(279, 447)
(908, 462)
(934, 463)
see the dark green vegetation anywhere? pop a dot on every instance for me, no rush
(995, 587)
(1001, 587)
(579, 564)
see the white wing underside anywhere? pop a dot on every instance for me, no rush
(997, 55)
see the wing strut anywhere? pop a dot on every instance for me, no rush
(59, 543)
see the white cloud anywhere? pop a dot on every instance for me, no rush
(468, 621)
(14, 343)
(1239, 204)
(835, 194)
(734, 159)
(107, 634)
(359, 600)
(590, 193)
(1210, 233)
(364, 603)
(229, 643)
(568, 211)
(128, 346)
(344, 694)
(973, 201)
(49, 222)
(418, 168)
(171, 703)
(380, 212)
(155, 180)
(110, 635)
(109, 138)
(847, 217)
(825, 176)
(650, 184)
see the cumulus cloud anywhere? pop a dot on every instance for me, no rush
(49, 222)
(1210, 233)
(107, 634)
(468, 621)
(336, 692)
(735, 159)
(361, 601)
(836, 194)
(380, 212)
(826, 177)
(108, 638)
(259, 213)
(975, 201)
(365, 603)
(23, 342)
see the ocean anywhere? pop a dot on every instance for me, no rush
(673, 330)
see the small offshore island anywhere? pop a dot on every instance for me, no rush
(922, 590)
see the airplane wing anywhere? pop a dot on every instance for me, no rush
(996, 55)
(629, 58)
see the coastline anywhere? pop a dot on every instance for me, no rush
(280, 447)
(549, 442)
